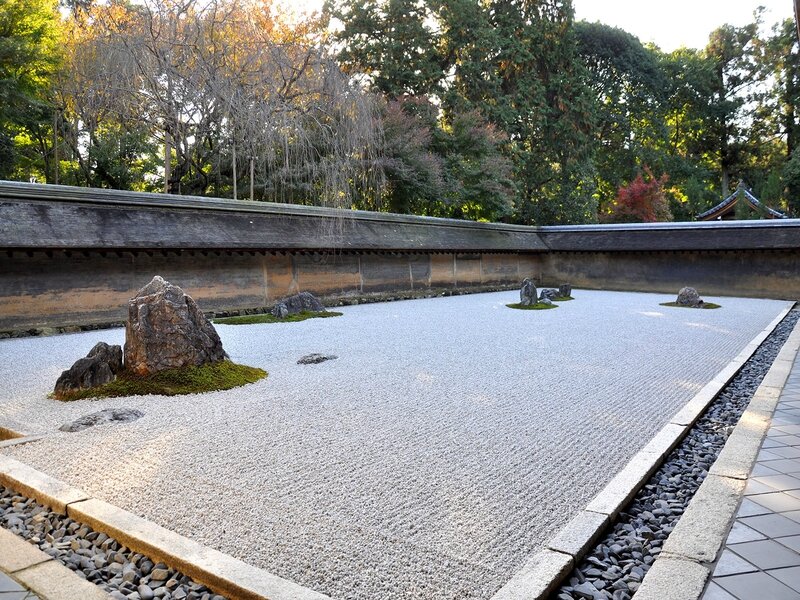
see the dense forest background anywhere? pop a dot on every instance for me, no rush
(501, 110)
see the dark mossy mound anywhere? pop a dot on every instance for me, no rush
(211, 377)
(562, 298)
(537, 306)
(269, 318)
(701, 306)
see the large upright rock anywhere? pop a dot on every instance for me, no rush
(688, 296)
(527, 293)
(166, 330)
(304, 301)
(100, 366)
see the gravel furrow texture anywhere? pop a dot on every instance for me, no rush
(447, 443)
(95, 556)
(616, 566)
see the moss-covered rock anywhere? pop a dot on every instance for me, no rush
(537, 306)
(269, 318)
(222, 375)
(702, 305)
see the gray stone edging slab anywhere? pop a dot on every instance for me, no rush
(700, 534)
(222, 573)
(42, 574)
(543, 572)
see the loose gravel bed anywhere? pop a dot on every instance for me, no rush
(616, 566)
(95, 556)
(447, 443)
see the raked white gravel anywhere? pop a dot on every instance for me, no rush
(450, 439)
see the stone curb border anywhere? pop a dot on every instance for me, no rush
(543, 572)
(685, 562)
(222, 573)
(41, 573)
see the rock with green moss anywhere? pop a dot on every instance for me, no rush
(167, 330)
(100, 366)
(527, 293)
(302, 302)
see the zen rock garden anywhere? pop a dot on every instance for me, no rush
(375, 474)
(530, 299)
(170, 347)
(689, 297)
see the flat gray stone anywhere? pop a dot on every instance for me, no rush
(540, 576)
(109, 415)
(579, 533)
(702, 529)
(673, 579)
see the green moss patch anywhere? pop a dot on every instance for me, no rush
(269, 318)
(537, 306)
(222, 375)
(563, 298)
(705, 305)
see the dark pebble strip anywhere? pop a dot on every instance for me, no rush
(614, 569)
(94, 556)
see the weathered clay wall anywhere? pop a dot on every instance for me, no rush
(73, 256)
(746, 273)
(62, 288)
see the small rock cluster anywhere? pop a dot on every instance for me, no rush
(614, 569)
(528, 295)
(165, 330)
(688, 296)
(100, 366)
(304, 301)
(94, 556)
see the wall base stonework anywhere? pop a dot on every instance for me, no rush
(71, 288)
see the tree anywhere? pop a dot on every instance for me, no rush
(641, 201)
(29, 43)
(737, 73)
(235, 98)
(391, 43)
(629, 88)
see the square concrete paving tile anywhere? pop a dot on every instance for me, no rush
(753, 487)
(9, 585)
(732, 564)
(775, 442)
(766, 554)
(781, 483)
(786, 440)
(766, 455)
(715, 592)
(748, 508)
(789, 451)
(756, 586)
(790, 577)
(784, 465)
(772, 526)
(761, 469)
(742, 533)
(777, 501)
(792, 542)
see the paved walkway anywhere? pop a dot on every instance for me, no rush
(11, 590)
(762, 553)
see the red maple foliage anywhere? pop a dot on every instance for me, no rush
(641, 201)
